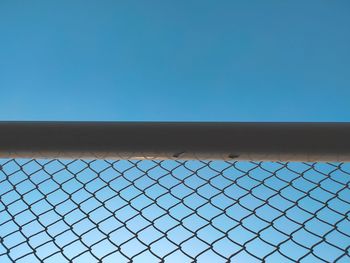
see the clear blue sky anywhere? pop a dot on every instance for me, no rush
(175, 60)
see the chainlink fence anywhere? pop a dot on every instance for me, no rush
(173, 211)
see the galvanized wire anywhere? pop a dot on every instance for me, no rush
(173, 211)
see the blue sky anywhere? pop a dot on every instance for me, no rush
(175, 60)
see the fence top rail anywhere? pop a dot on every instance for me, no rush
(264, 141)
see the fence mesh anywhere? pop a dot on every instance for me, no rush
(173, 211)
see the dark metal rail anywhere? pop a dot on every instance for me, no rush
(176, 140)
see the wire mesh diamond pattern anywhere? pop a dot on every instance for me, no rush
(173, 211)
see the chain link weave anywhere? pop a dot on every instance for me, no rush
(173, 211)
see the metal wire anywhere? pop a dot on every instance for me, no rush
(173, 211)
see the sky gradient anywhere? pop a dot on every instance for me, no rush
(175, 60)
